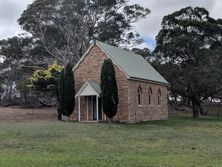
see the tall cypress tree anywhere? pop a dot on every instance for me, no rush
(109, 89)
(66, 92)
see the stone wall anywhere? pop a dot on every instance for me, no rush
(90, 69)
(128, 108)
(146, 112)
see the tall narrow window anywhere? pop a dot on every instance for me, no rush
(150, 96)
(159, 97)
(139, 95)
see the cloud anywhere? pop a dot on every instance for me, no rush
(217, 6)
(10, 11)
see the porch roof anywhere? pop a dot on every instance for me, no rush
(90, 88)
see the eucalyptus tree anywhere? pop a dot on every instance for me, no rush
(16, 56)
(66, 27)
(145, 53)
(189, 46)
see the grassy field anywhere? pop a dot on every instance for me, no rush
(176, 142)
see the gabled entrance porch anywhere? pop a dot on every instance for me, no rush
(89, 103)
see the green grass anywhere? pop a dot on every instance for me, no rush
(176, 142)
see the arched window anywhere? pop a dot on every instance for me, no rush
(159, 97)
(150, 96)
(139, 95)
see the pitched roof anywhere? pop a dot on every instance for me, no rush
(90, 88)
(134, 66)
(95, 86)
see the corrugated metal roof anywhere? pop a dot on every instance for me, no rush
(133, 65)
(90, 88)
(95, 86)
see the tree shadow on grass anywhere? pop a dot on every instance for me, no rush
(180, 121)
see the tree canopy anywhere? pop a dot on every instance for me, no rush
(16, 53)
(189, 47)
(145, 52)
(76, 23)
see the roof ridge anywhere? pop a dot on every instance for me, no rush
(133, 65)
(128, 51)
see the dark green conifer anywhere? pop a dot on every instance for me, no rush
(109, 89)
(66, 92)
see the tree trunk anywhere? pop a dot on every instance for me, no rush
(196, 108)
(59, 114)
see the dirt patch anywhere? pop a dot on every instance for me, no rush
(17, 114)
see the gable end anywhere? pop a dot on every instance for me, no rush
(87, 52)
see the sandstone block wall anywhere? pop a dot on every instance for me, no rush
(146, 112)
(90, 69)
(128, 108)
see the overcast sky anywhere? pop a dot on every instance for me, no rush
(10, 10)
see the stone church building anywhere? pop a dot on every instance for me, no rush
(142, 90)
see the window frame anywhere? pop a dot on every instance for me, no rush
(150, 96)
(139, 96)
(159, 97)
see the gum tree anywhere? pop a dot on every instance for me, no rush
(189, 49)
